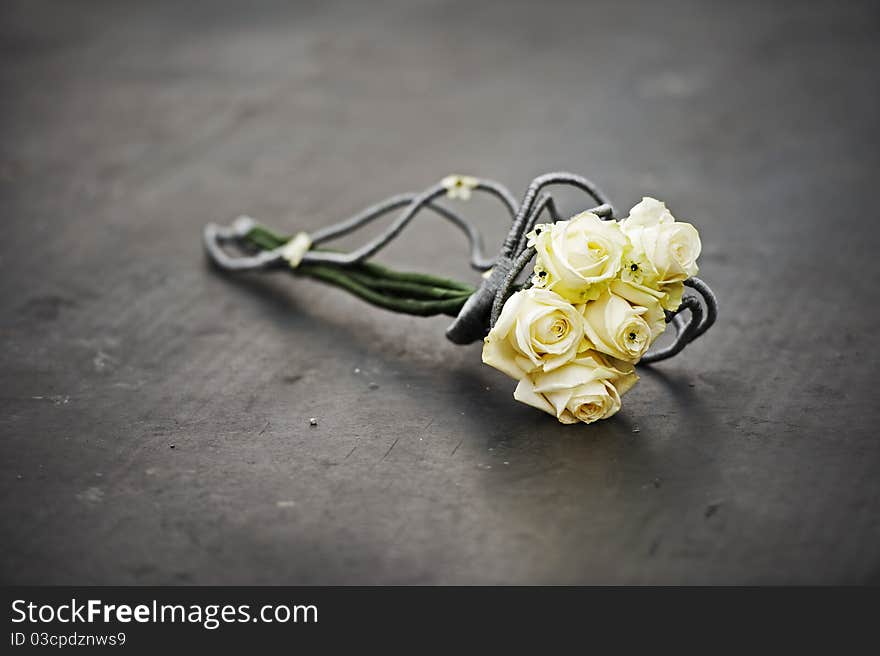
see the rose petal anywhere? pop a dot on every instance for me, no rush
(525, 393)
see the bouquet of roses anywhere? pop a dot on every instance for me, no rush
(601, 293)
(598, 299)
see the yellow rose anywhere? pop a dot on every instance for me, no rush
(662, 250)
(649, 299)
(537, 329)
(576, 258)
(672, 295)
(616, 328)
(586, 389)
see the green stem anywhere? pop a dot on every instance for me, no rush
(405, 288)
(268, 240)
(421, 278)
(407, 292)
(425, 308)
(265, 239)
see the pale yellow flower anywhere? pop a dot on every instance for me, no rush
(536, 329)
(650, 300)
(577, 258)
(459, 186)
(584, 390)
(662, 250)
(616, 328)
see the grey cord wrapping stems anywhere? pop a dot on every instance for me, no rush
(481, 310)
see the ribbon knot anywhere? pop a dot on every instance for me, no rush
(294, 250)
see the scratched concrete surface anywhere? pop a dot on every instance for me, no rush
(154, 414)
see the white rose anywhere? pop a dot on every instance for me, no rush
(575, 258)
(537, 329)
(616, 328)
(672, 294)
(638, 271)
(649, 299)
(667, 248)
(586, 389)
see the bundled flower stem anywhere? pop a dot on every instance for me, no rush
(418, 294)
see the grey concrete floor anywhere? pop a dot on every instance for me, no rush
(127, 126)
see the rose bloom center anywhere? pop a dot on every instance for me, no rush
(634, 337)
(595, 253)
(590, 410)
(680, 252)
(553, 328)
